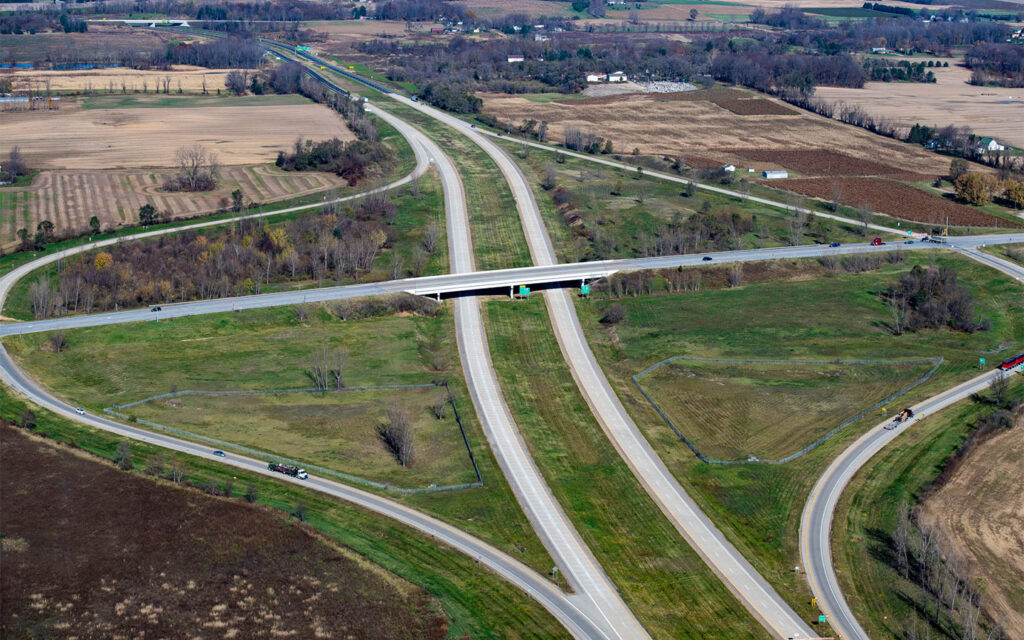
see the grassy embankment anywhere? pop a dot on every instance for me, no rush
(867, 515)
(270, 349)
(839, 316)
(477, 602)
(1012, 252)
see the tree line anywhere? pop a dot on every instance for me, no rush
(332, 246)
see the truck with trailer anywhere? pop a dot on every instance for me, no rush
(288, 470)
(1016, 362)
(877, 242)
(900, 418)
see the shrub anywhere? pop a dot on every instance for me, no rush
(614, 314)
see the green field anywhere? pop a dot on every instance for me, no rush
(336, 430)
(758, 506)
(478, 603)
(867, 514)
(769, 410)
(163, 101)
(270, 349)
(663, 581)
(1011, 252)
(848, 12)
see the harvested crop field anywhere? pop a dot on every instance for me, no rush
(988, 111)
(69, 198)
(149, 137)
(89, 551)
(980, 509)
(694, 122)
(820, 162)
(95, 44)
(895, 199)
(118, 80)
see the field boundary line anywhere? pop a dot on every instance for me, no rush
(936, 362)
(114, 411)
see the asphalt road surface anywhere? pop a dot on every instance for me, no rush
(818, 514)
(497, 279)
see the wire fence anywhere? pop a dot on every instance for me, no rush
(936, 362)
(257, 453)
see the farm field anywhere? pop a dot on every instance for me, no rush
(897, 199)
(694, 124)
(988, 111)
(735, 410)
(97, 43)
(270, 349)
(69, 198)
(123, 138)
(986, 488)
(120, 80)
(337, 430)
(122, 554)
(798, 317)
(979, 510)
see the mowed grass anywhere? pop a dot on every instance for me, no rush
(498, 240)
(271, 349)
(663, 581)
(478, 603)
(337, 430)
(735, 410)
(1012, 252)
(758, 506)
(868, 511)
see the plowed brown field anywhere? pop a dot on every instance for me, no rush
(896, 199)
(69, 198)
(93, 552)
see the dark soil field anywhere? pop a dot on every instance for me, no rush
(820, 162)
(755, 107)
(896, 199)
(89, 551)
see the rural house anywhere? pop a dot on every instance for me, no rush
(595, 77)
(516, 58)
(728, 167)
(988, 144)
(618, 76)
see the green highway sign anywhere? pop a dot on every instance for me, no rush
(524, 291)
(585, 289)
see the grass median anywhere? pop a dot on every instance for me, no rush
(663, 581)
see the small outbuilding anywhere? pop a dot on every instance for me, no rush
(774, 174)
(516, 58)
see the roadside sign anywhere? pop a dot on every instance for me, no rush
(822, 619)
(524, 291)
(585, 289)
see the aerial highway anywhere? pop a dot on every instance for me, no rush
(574, 559)
(695, 527)
(495, 280)
(596, 610)
(819, 511)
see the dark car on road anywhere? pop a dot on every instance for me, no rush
(218, 452)
(706, 258)
(834, 244)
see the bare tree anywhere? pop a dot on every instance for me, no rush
(236, 82)
(197, 170)
(178, 470)
(15, 163)
(550, 178)
(1000, 387)
(864, 215)
(327, 368)
(397, 434)
(397, 267)
(901, 539)
(898, 312)
(431, 233)
(251, 493)
(735, 276)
